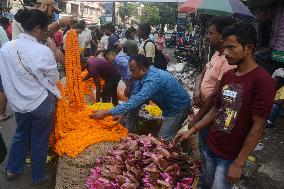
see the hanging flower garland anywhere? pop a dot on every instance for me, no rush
(74, 131)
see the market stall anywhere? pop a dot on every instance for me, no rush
(100, 153)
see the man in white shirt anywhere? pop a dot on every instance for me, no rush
(147, 47)
(85, 38)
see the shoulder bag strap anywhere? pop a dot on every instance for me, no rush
(29, 72)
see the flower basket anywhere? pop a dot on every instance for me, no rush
(72, 172)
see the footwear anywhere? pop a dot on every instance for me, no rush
(6, 117)
(269, 124)
(10, 176)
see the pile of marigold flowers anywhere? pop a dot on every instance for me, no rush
(74, 131)
(101, 106)
(154, 110)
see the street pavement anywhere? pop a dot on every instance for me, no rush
(268, 176)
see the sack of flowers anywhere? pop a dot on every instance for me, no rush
(72, 172)
(144, 162)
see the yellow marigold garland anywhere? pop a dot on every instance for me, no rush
(74, 131)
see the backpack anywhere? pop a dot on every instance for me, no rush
(160, 60)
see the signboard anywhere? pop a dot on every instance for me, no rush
(108, 9)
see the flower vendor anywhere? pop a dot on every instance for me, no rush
(99, 68)
(160, 87)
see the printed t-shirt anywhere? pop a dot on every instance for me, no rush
(149, 48)
(215, 69)
(100, 68)
(280, 94)
(238, 99)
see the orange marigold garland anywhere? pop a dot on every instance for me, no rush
(74, 131)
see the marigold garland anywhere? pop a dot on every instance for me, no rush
(74, 131)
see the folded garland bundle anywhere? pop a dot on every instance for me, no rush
(143, 162)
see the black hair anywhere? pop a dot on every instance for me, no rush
(129, 31)
(29, 2)
(107, 51)
(244, 32)
(222, 22)
(128, 34)
(77, 25)
(109, 27)
(4, 22)
(83, 23)
(99, 34)
(145, 28)
(141, 61)
(29, 19)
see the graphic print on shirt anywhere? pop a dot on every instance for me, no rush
(231, 103)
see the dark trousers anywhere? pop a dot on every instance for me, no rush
(109, 92)
(33, 131)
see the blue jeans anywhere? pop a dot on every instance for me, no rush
(202, 134)
(215, 171)
(172, 124)
(274, 113)
(33, 131)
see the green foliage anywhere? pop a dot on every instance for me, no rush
(127, 10)
(5, 6)
(150, 14)
(160, 13)
(168, 13)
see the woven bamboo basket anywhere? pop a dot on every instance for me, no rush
(73, 172)
(194, 144)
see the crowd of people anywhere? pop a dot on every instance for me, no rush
(234, 94)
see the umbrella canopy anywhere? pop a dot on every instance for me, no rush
(233, 8)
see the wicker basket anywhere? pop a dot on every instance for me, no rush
(194, 144)
(191, 147)
(73, 172)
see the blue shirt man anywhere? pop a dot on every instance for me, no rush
(160, 87)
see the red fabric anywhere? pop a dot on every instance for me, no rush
(180, 42)
(238, 99)
(9, 31)
(100, 68)
(58, 38)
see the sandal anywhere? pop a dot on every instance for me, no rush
(6, 117)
